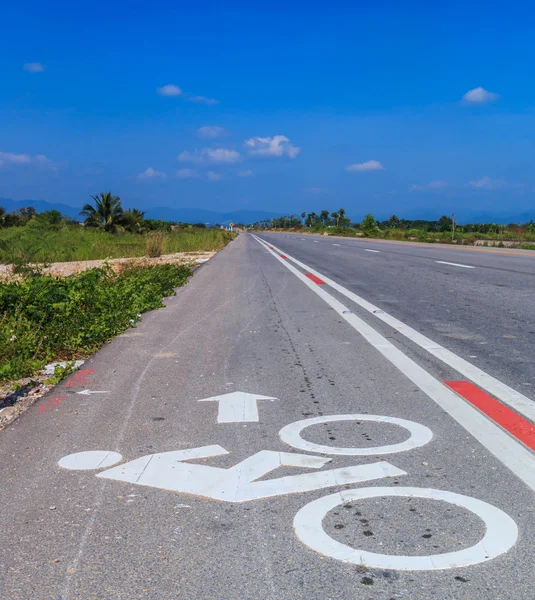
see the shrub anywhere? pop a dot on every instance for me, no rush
(155, 244)
(44, 319)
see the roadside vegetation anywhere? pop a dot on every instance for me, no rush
(108, 231)
(443, 230)
(45, 319)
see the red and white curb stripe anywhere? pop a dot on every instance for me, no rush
(522, 429)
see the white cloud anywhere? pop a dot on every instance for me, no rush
(12, 159)
(169, 90)
(486, 183)
(211, 131)
(435, 185)
(316, 190)
(187, 173)
(246, 173)
(214, 155)
(213, 176)
(221, 155)
(149, 174)
(480, 96)
(369, 165)
(202, 100)
(34, 67)
(278, 145)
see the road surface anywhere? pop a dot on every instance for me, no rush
(302, 421)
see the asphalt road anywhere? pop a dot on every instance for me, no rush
(414, 494)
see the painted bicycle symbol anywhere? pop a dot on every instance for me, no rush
(172, 471)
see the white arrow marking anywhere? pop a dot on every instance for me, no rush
(87, 392)
(237, 407)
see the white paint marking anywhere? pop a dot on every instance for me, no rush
(370, 250)
(500, 535)
(507, 450)
(316, 241)
(444, 262)
(337, 244)
(291, 434)
(88, 392)
(167, 471)
(506, 394)
(93, 459)
(237, 407)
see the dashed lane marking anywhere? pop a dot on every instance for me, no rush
(516, 457)
(370, 250)
(444, 262)
(506, 394)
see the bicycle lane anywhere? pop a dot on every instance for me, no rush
(185, 525)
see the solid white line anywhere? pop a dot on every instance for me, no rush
(443, 262)
(368, 250)
(511, 453)
(506, 394)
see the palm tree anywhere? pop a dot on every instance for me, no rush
(107, 212)
(134, 220)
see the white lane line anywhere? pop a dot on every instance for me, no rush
(369, 250)
(506, 394)
(336, 244)
(507, 450)
(444, 262)
(316, 241)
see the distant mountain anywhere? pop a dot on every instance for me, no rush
(40, 206)
(185, 215)
(201, 215)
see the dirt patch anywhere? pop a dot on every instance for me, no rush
(64, 269)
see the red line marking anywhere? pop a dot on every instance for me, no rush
(516, 425)
(315, 279)
(271, 248)
(282, 256)
(79, 378)
(51, 404)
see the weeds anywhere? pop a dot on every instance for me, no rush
(43, 319)
(74, 242)
(154, 244)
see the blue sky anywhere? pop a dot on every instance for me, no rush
(388, 107)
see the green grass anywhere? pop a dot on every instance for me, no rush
(72, 243)
(44, 319)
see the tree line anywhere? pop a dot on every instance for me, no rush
(338, 219)
(104, 212)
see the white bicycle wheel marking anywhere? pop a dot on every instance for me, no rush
(92, 459)
(500, 536)
(420, 435)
